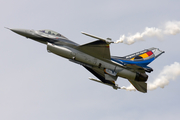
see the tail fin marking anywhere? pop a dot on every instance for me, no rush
(142, 58)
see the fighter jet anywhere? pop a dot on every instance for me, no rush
(96, 58)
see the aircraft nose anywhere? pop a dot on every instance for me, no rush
(23, 32)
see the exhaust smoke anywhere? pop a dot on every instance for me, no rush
(170, 28)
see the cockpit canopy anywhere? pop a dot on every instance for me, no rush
(50, 32)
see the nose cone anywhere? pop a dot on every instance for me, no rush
(24, 32)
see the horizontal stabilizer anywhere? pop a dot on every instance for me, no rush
(140, 86)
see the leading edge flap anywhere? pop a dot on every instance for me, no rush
(99, 49)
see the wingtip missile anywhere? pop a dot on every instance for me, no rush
(114, 86)
(107, 40)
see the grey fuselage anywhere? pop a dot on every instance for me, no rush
(61, 46)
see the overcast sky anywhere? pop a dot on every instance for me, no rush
(37, 85)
